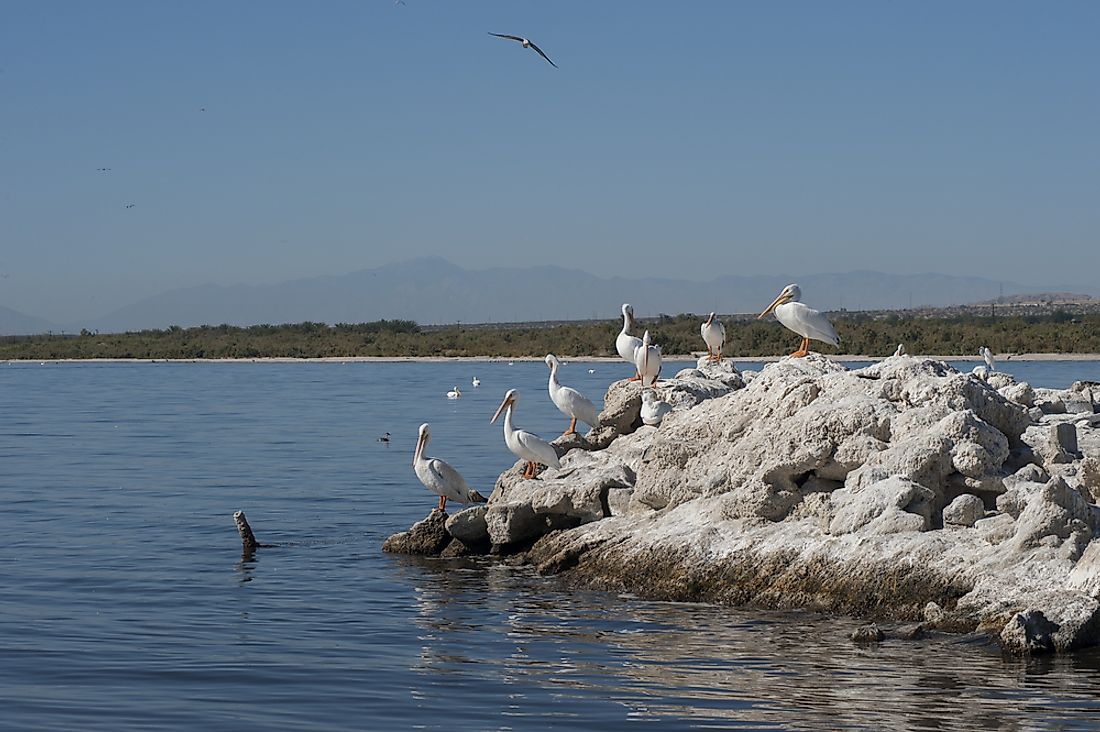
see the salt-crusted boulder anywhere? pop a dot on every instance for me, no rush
(965, 510)
(904, 490)
(427, 537)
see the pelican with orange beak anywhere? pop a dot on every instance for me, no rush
(439, 477)
(714, 335)
(803, 320)
(524, 445)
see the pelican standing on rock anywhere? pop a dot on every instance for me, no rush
(647, 359)
(803, 320)
(900, 350)
(625, 343)
(987, 356)
(714, 335)
(524, 445)
(569, 401)
(439, 477)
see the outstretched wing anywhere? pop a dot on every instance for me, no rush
(543, 55)
(510, 38)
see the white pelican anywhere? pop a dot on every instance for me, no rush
(591, 371)
(900, 350)
(714, 335)
(476, 382)
(454, 393)
(803, 320)
(625, 343)
(647, 359)
(569, 401)
(987, 356)
(524, 445)
(526, 44)
(982, 372)
(439, 477)
(653, 409)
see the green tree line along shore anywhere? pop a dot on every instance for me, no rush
(677, 335)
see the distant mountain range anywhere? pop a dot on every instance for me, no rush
(13, 322)
(435, 291)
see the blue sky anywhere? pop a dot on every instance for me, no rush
(687, 139)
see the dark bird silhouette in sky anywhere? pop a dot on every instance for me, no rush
(526, 44)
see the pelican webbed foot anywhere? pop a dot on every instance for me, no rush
(802, 349)
(572, 428)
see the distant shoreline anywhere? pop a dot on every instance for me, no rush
(531, 359)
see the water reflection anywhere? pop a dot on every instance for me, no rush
(711, 665)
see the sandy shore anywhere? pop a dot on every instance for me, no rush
(594, 359)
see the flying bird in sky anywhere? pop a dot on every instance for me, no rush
(526, 44)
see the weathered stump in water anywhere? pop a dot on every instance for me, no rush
(248, 539)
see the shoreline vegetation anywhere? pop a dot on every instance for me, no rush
(1054, 336)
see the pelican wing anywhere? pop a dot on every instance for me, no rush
(510, 38)
(626, 344)
(537, 449)
(807, 322)
(543, 54)
(450, 480)
(574, 404)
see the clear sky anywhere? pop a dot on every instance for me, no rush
(263, 141)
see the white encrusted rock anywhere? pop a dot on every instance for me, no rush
(965, 510)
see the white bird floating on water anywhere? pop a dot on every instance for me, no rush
(803, 320)
(625, 343)
(714, 335)
(647, 359)
(591, 371)
(569, 401)
(900, 351)
(454, 393)
(476, 382)
(439, 477)
(524, 445)
(653, 409)
(526, 44)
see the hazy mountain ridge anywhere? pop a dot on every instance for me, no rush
(13, 322)
(436, 291)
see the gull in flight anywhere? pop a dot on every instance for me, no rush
(526, 44)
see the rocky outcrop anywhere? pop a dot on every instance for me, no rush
(905, 490)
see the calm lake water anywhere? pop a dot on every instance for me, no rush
(126, 604)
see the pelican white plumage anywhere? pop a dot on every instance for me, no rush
(569, 401)
(647, 359)
(714, 335)
(476, 382)
(653, 409)
(625, 343)
(803, 320)
(900, 351)
(454, 393)
(982, 372)
(987, 356)
(524, 445)
(439, 477)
